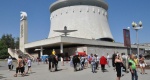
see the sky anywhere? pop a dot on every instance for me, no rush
(121, 14)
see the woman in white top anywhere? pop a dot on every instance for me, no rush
(9, 62)
(29, 65)
(142, 64)
(108, 60)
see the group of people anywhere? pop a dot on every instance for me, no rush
(78, 62)
(119, 62)
(21, 63)
(81, 62)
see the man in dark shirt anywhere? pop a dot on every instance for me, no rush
(76, 60)
(50, 62)
(54, 62)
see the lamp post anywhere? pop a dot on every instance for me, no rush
(137, 27)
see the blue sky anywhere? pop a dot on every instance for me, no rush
(121, 14)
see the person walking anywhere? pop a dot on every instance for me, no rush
(118, 62)
(142, 64)
(96, 61)
(113, 60)
(108, 59)
(93, 63)
(10, 63)
(89, 60)
(86, 61)
(29, 65)
(136, 60)
(132, 67)
(20, 66)
(50, 63)
(82, 59)
(75, 61)
(103, 62)
(54, 62)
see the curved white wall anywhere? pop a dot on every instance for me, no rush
(90, 21)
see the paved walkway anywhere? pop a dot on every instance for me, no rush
(41, 72)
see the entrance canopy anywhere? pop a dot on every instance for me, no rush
(68, 41)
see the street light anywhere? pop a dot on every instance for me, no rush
(137, 27)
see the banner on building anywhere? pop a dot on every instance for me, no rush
(126, 34)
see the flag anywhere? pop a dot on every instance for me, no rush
(126, 34)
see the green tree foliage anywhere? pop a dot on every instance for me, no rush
(7, 41)
(3, 50)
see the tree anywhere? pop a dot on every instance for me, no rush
(3, 50)
(7, 41)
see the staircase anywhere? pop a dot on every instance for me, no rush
(15, 53)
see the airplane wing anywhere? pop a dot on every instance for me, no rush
(64, 31)
(61, 31)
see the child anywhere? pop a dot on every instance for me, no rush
(29, 65)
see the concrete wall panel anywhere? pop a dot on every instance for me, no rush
(90, 21)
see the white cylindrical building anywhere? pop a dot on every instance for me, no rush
(89, 17)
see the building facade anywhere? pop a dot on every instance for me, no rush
(89, 17)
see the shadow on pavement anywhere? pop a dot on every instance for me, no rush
(106, 71)
(58, 70)
(13, 70)
(33, 72)
(1, 77)
(26, 75)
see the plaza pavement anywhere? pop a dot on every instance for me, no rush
(41, 72)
